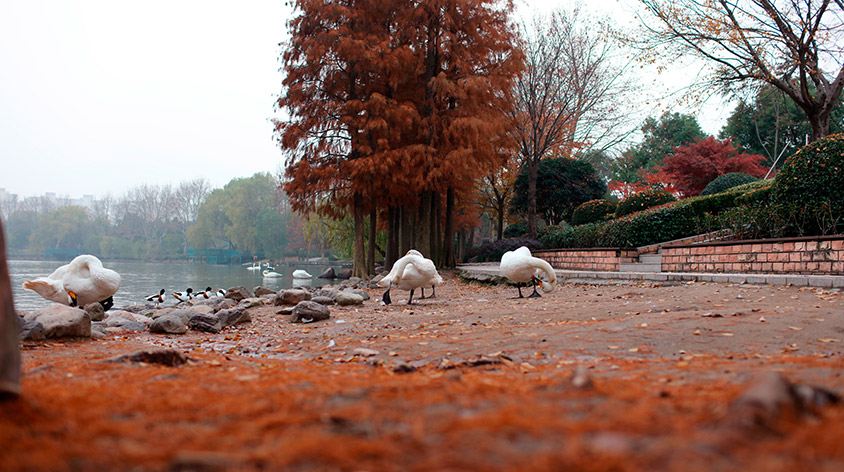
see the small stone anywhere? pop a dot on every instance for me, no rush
(328, 274)
(169, 324)
(307, 312)
(95, 311)
(291, 297)
(347, 298)
(361, 293)
(402, 367)
(285, 311)
(168, 357)
(261, 291)
(365, 352)
(581, 378)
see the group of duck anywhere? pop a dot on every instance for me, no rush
(187, 295)
(84, 280)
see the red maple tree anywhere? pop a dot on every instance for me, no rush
(692, 166)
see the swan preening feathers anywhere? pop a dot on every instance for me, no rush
(520, 267)
(409, 273)
(84, 280)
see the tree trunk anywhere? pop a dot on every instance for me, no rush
(425, 226)
(437, 239)
(448, 237)
(499, 225)
(392, 238)
(10, 360)
(820, 125)
(533, 173)
(359, 258)
(370, 256)
(405, 239)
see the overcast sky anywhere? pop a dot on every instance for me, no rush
(97, 96)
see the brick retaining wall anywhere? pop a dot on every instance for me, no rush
(823, 255)
(599, 259)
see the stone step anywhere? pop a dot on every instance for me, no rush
(650, 258)
(640, 267)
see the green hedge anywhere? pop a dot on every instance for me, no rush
(813, 175)
(727, 181)
(593, 211)
(682, 219)
(643, 201)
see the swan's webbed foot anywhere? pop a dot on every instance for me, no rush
(386, 298)
(519, 288)
(107, 303)
(535, 294)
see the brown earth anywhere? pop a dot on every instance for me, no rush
(491, 388)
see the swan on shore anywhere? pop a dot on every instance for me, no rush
(521, 267)
(301, 274)
(82, 281)
(409, 273)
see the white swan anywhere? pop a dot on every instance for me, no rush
(409, 273)
(520, 267)
(301, 274)
(254, 267)
(84, 280)
(269, 274)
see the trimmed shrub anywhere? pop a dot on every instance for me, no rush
(814, 175)
(515, 230)
(592, 211)
(493, 251)
(726, 182)
(643, 201)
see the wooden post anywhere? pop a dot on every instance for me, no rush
(10, 359)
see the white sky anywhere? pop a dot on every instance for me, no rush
(97, 96)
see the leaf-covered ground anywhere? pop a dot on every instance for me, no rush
(469, 380)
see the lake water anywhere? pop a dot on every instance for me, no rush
(141, 279)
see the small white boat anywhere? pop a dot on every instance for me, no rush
(301, 274)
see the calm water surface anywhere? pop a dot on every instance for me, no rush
(141, 279)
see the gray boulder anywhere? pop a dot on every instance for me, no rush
(208, 323)
(327, 274)
(344, 273)
(329, 292)
(57, 321)
(225, 304)
(323, 300)
(347, 298)
(291, 297)
(238, 293)
(233, 316)
(362, 293)
(95, 311)
(309, 311)
(261, 291)
(251, 302)
(126, 321)
(169, 324)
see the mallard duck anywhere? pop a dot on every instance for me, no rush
(409, 273)
(84, 280)
(521, 267)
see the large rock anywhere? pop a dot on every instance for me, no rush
(347, 298)
(363, 293)
(208, 323)
(238, 293)
(169, 324)
(56, 321)
(344, 273)
(291, 297)
(251, 302)
(126, 320)
(95, 311)
(309, 311)
(261, 291)
(233, 316)
(323, 300)
(225, 304)
(329, 292)
(185, 314)
(327, 274)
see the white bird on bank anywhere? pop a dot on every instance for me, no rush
(409, 273)
(84, 280)
(301, 274)
(269, 274)
(520, 267)
(220, 292)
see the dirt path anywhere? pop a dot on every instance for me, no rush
(489, 387)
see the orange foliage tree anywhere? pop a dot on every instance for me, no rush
(694, 165)
(392, 105)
